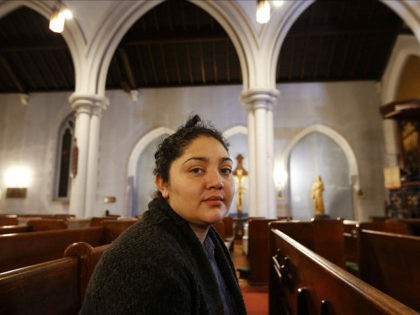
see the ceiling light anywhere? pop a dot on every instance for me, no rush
(58, 18)
(277, 3)
(263, 11)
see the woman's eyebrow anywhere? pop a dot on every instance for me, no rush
(204, 159)
(196, 158)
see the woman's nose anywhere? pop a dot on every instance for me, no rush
(215, 180)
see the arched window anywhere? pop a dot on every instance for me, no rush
(64, 156)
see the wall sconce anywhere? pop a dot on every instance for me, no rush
(110, 199)
(17, 179)
(57, 19)
(280, 177)
(16, 192)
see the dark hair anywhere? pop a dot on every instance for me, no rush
(173, 146)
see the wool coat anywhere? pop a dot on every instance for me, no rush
(159, 266)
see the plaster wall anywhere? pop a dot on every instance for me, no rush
(28, 133)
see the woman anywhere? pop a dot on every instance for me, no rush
(173, 261)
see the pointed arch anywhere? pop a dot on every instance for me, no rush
(141, 145)
(335, 136)
(354, 181)
(122, 15)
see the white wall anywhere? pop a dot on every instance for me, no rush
(28, 133)
(352, 110)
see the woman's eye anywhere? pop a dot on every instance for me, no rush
(196, 170)
(226, 171)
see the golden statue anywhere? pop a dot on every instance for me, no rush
(317, 198)
(240, 173)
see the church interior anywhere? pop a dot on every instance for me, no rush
(320, 105)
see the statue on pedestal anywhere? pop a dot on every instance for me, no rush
(317, 198)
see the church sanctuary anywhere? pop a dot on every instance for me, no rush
(319, 101)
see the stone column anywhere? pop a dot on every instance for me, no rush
(93, 155)
(259, 103)
(83, 184)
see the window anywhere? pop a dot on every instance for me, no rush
(64, 155)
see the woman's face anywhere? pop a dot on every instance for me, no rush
(201, 185)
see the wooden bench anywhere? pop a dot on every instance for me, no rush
(258, 250)
(88, 257)
(303, 282)
(390, 262)
(323, 236)
(8, 220)
(225, 230)
(352, 231)
(8, 229)
(46, 224)
(23, 249)
(54, 287)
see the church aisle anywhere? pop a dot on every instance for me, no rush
(255, 297)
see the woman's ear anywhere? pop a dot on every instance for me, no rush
(162, 186)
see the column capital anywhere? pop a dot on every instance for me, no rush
(89, 103)
(259, 98)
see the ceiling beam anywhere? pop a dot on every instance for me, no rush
(12, 74)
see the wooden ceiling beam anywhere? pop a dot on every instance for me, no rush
(12, 75)
(127, 67)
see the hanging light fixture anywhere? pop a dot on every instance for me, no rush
(58, 17)
(263, 11)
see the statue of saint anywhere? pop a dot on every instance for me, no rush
(317, 199)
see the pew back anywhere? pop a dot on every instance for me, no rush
(23, 249)
(258, 250)
(390, 262)
(323, 236)
(46, 288)
(303, 282)
(88, 257)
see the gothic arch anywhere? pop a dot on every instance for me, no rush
(281, 21)
(343, 144)
(72, 34)
(122, 15)
(132, 180)
(405, 47)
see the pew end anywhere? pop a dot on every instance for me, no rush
(303, 282)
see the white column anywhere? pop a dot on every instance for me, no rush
(82, 108)
(93, 155)
(272, 207)
(88, 110)
(252, 207)
(259, 103)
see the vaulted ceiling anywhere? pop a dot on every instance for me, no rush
(178, 44)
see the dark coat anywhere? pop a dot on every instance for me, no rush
(158, 266)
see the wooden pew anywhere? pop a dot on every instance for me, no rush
(8, 220)
(258, 250)
(323, 236)
(390, 262)
(8, 229)
(352, 231)
(88, 256)
(54, 287)
(23, 249)
(46, 288)
(303, 282)
(225, 230)
(46, 224)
